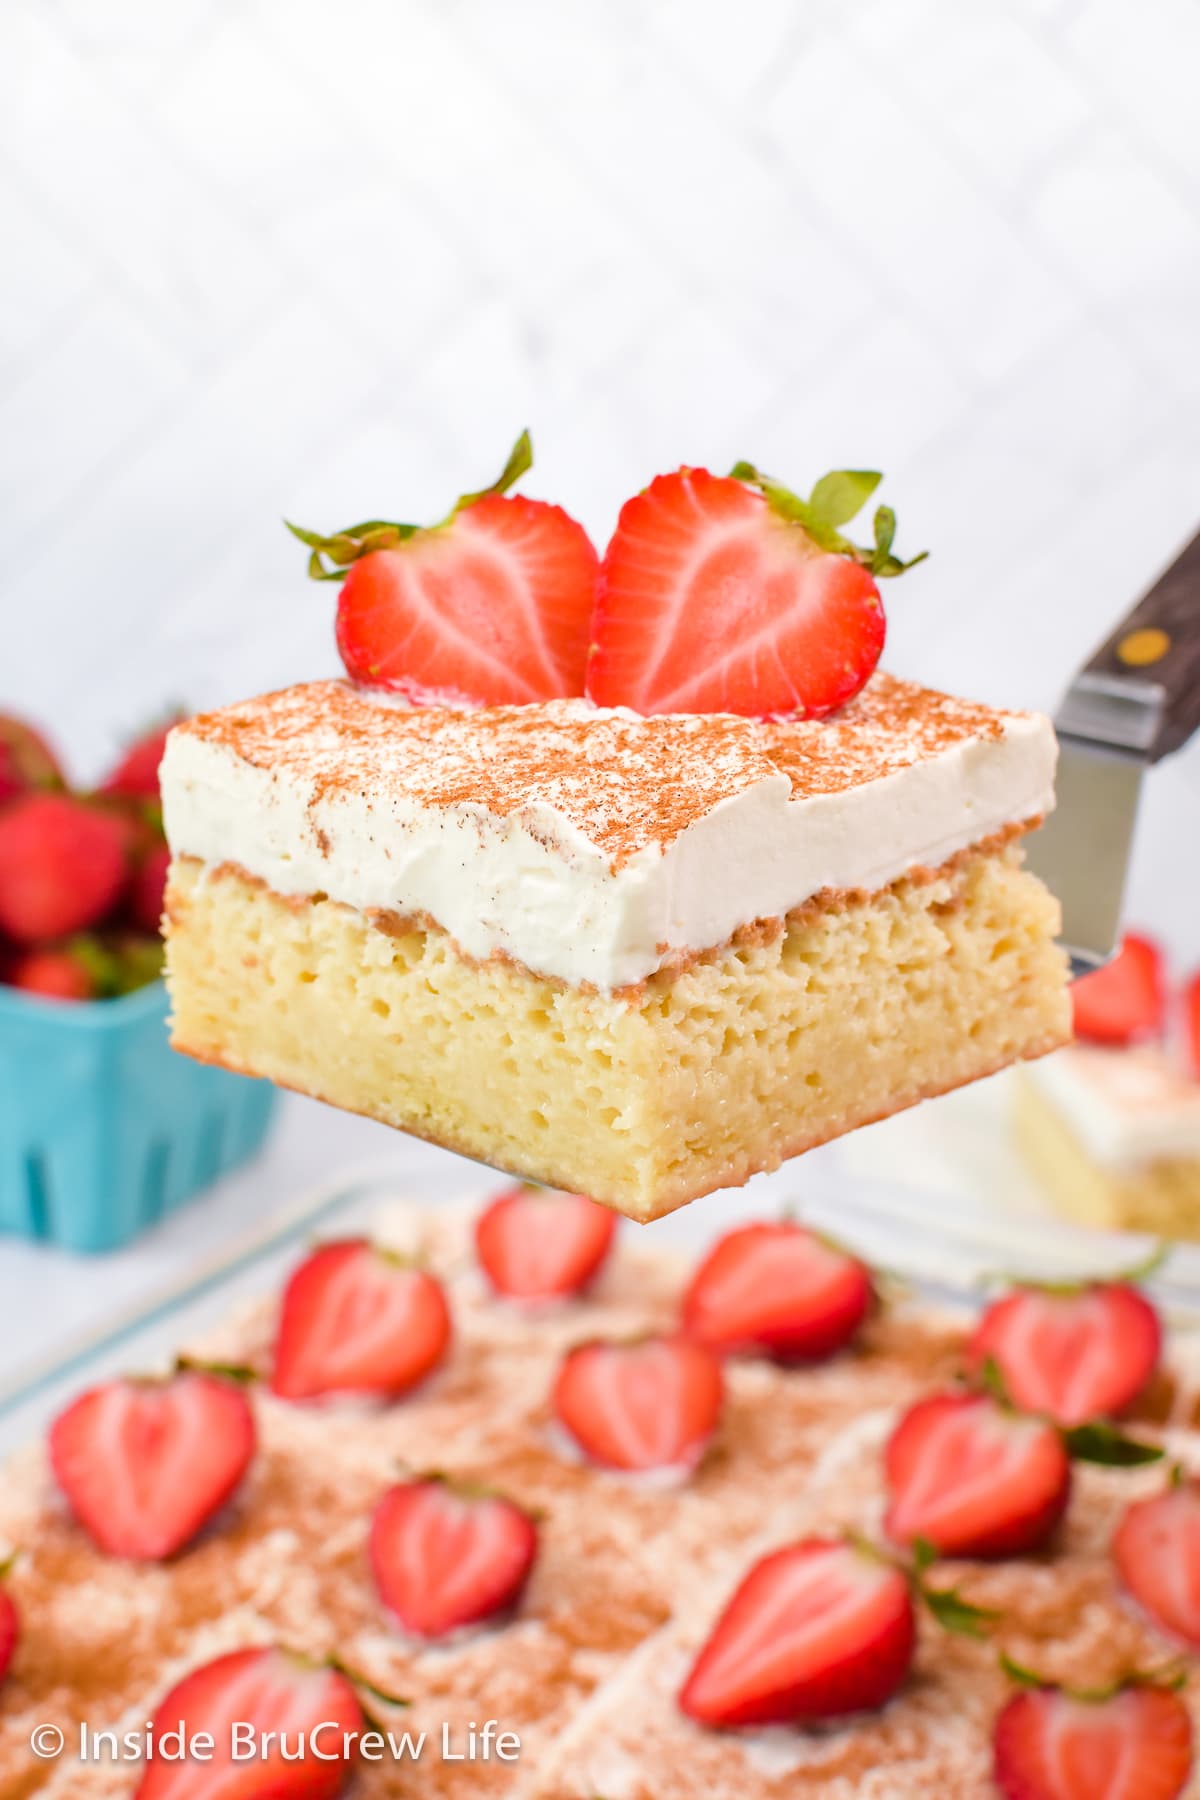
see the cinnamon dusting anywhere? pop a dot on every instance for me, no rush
(624, 781)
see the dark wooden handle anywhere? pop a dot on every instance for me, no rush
(1160, 642)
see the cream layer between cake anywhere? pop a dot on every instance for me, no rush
(594, 846)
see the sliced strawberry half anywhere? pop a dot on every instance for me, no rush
(358, 1319)
(491, 607)
(1191, 1023)
(536, 1244)
(1133, 1744)
(653, 1404)
(1125, 1001)
(445, 1556)
(731, 594)
(778, 1289)
(10, 1629)
(288, 1709)
(972, 1478)
(1157, 1552)
(146, 1464)
(1073, 1355)
(815, 1631)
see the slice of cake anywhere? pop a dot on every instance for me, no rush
(1111, 1126)
(636, 957)
(641, 954)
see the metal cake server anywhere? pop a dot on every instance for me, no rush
(1137, 699)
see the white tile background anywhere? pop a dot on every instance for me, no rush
(288, 256)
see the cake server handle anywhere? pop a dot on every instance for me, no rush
(1157, 647)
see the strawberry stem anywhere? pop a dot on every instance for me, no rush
(947, 1605)
(358, 1681)
(241, 1373)
(1079, 1284)
(1100, 1442)
(1171, 1676)
(836, 499)
(332, 555)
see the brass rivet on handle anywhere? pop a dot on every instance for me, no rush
(1143, 647)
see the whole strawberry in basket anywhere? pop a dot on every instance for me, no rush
(102, 1128)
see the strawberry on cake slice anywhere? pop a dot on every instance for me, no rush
(632, 876)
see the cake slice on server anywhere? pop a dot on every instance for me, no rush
(741, 895)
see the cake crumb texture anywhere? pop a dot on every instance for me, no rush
(647, 1097)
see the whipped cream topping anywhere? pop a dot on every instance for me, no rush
(1127, 1108)
(594, 845)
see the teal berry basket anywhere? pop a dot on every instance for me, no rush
(104, 1129)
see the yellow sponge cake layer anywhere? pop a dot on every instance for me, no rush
(849, 1008)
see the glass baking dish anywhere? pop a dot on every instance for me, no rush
(929, 1240)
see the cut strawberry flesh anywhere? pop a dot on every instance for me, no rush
(813, 1632)
(649, 1405)
(1191, 1024)
(1073, 1357)
(145, 1465)
(442, 1560)
(535, 1244)
(777, 1289)
(10, 1630)
(356, 1320)
(1125, 1001)
(264, 1691)
(1157, 1552)
(709, 601)
(492, 608)
(974, 1480)
(1134, 1745)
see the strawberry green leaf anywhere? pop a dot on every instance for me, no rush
(1079, 1284)
(1100, 1442)
(839, 496)
(1020, 1674)
(953, 1613)
(991, 1377)
(359, 1682)
(924, 1554)
(332, 555)
(835, 499)
(520, 460)
(885, 530)
(1171, 1676)
(947, 1605)
(241, 1373)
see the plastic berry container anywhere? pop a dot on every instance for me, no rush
(104, 1129)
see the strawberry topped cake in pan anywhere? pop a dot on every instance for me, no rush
(634, 876)
(499, 1507)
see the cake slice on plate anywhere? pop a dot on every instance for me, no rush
(1111, 1126)
(741, 895)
